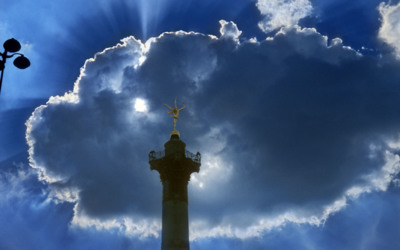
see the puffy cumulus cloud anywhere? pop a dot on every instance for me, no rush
(389, 31)
(290, 128)
(281, 13)
(229, 29)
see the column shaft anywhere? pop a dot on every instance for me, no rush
(175, 225)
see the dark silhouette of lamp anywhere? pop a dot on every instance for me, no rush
(21, 62)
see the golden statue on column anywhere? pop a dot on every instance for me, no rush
(175, 114)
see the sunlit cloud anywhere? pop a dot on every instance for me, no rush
(256, 166)
(389, 31)
(278, 13)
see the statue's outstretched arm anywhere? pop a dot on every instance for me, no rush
(168, 107)
(182, 107)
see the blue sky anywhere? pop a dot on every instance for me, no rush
(293, 104)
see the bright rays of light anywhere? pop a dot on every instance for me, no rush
(150, 12)
(140, 105)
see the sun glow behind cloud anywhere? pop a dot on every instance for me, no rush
(140, 105)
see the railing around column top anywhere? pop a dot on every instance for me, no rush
(195, 157)
(153, 155)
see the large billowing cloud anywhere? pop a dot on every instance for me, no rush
(289, 129)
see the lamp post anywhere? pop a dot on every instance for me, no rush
(21, 62)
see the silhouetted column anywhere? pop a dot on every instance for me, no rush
(175, 165)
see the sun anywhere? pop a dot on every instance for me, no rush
(140, 105)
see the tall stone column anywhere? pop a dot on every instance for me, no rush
(175, 166)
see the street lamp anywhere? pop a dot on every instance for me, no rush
(21, 62)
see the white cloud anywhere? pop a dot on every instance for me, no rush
(281, 13)
(136, 227)
(229, 29)
(389, 31)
